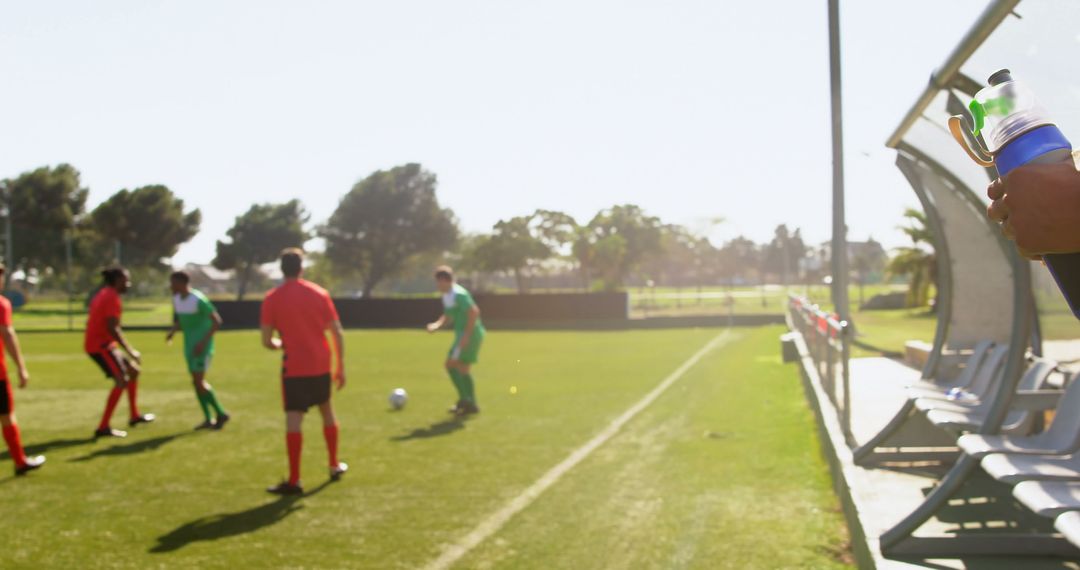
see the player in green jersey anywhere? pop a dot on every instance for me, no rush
(196, 316)
(460, 309)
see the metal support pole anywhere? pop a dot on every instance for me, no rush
(839, 227)
(944, 75)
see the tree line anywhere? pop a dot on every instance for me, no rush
(388, 229)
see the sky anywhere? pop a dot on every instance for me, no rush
(694, 110)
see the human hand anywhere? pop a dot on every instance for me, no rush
(24, 377)
(1038, 207)
(432, 327)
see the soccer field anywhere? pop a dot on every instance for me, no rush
(722, 470)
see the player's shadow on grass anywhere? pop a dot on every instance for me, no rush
(233, 524)
(53, 445)
(437, 429)
(131, 448)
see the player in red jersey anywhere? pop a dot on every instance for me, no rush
(23, 464)
(302, 312)
(103, 342)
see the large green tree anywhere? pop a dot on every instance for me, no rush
(683, 258)
(737, 259)
(258, 236)
(45, 203)
(783, 253)
(615, 243)
(522, 242)
(148, 223)
(387, 218)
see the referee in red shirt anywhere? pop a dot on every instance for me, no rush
(302, 312)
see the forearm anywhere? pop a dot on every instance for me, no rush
(118, 336)
(11, 343)
(268, 339)
(209, 334)
(339, 347)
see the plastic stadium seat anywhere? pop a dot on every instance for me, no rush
(1049, 498)
(959, 418)
(967, 373)
(982, 382)
(1061, 438)
(1068, 524)
(1013, 469)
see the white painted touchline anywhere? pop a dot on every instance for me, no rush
(499, 518)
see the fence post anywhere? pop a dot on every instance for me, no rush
(845, 358)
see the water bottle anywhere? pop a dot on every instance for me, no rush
(1019, 131)
(961, 395)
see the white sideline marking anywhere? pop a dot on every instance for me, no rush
(499, 518)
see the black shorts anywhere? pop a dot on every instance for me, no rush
(302, 392)
(7, 400)
(114, 364)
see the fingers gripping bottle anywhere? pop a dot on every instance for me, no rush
(1018, 131)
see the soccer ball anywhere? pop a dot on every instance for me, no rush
(398, 398)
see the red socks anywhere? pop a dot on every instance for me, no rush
(110, 405)
(14, 444)
(294, 442)
(331, 433)
(133, 392)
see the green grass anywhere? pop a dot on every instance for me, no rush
(1057, 321)
(723, 470)
(889, 330)
(772, 299)
(59, 315)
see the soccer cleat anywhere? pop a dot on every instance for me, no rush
(467, 409)
(286, 488)
(143, 419)
(31, 464)
(337, 471)
(205, 425)
(109, 432)
(456, 408)
(221, 421)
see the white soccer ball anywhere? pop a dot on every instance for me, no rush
(398, 398)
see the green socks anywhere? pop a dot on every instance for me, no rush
(203, 404)
(469, 387)
(208, 400)
(455, 377)
(466, 387)
(211, 398)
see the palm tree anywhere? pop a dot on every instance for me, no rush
(918, 261)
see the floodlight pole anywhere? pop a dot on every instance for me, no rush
(839, 227)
